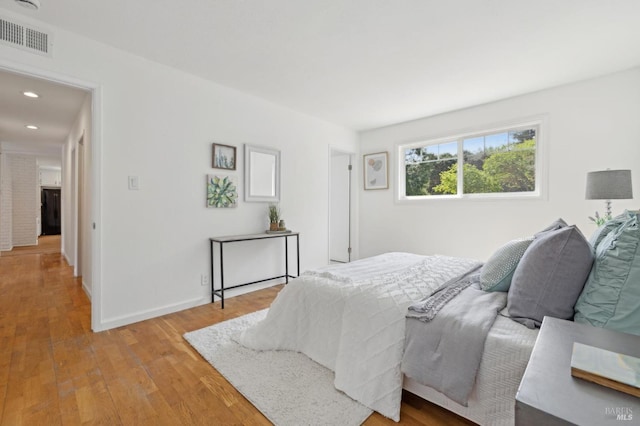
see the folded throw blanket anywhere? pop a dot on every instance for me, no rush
(426, 309)
(445, 352)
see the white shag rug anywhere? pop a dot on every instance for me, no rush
(287, 387)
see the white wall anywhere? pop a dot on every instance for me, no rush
(50, 177)
(20, 195)
(25, 197)
(78, 254)
(6, 204)
(592, 125)
(158, 123)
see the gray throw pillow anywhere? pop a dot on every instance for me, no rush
(550, 277)
(497, 272)
(555, 225)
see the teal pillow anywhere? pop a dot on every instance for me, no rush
(497, 273)
(611, 297)
(604, 230)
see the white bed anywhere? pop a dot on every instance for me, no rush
(315, 314)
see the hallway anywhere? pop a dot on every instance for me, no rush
(47, 244)
(55, 370)
(41, 306)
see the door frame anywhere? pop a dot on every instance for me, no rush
(95, 90)
(352, 200)
(77, 159)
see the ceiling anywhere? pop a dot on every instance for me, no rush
(364, 64)
(54, 112)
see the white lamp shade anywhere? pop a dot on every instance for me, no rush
(609, 185)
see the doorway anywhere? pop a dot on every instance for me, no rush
(340, 206)
(50, 211)
(82, 244)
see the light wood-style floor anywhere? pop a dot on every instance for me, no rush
(55, 371)
(46, 244)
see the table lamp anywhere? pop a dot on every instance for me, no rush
(609, 185)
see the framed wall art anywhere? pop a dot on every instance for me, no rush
(222, 191)
(224, 157)
(376, 170)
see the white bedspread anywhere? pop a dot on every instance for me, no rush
(353, 321)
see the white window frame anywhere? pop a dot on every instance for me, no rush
(540, 122)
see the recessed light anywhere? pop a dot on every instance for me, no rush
(31, 94)
(31, 127)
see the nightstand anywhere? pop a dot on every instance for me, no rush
(549, 395)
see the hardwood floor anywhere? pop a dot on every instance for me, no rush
(55, 371)
(46, 244)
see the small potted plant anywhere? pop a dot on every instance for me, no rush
(274, 217)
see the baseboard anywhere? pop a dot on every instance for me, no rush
(238, 291)
(110, 323)
(86, 288)
(66, 258)
(26, 244)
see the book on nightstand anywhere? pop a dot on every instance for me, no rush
(611, 369)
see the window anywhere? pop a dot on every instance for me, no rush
(498, 162)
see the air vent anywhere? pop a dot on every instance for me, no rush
(24, 37)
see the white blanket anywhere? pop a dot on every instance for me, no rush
(355, 326)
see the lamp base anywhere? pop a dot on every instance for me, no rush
(607, 203)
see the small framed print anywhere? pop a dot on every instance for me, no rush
(376, 170)
(222, 191)
(224, 157)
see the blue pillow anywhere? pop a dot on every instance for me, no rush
(497, 272)
(611, 297)
(605, 229)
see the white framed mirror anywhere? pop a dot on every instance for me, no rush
(261, 174)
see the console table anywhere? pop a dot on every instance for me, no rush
(221, 241)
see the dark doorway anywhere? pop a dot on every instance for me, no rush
(50, 211)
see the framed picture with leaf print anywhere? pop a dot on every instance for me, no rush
(222, 191)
